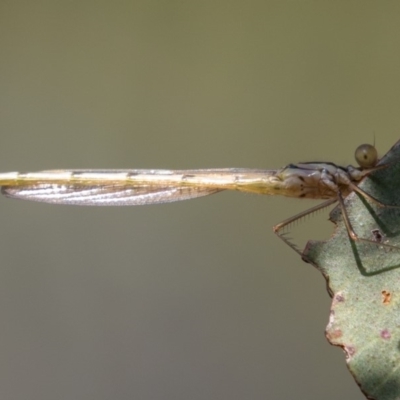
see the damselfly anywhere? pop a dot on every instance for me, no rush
(312, 180)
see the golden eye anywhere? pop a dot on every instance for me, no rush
(366, 156)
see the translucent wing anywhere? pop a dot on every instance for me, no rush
(107, 195)
(129, 187)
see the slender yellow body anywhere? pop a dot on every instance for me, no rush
(133, 187)
(136, 187)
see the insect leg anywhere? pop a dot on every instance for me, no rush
(352, 234)
(278, 227)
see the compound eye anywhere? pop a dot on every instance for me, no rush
(366, 156)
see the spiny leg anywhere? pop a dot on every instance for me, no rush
(371, 198)
(278, 227)
(352, 234)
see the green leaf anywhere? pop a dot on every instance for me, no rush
(364, 281)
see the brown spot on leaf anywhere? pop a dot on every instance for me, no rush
(386, 297)
(334, 334)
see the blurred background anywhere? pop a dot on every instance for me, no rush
(198, 299)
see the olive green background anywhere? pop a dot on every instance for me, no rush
(198, 299)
